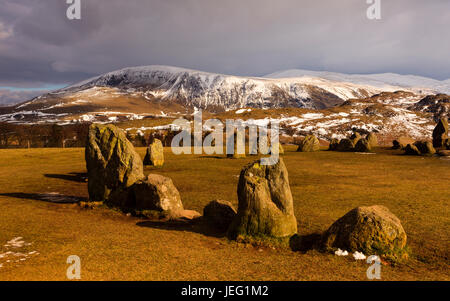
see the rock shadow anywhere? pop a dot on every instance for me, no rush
(80, 177)
(198, 225)
(46, 197)
(305, 243)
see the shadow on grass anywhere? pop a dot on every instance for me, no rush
(80, 177)
(46, 197)
(198, 225)
(305, 243)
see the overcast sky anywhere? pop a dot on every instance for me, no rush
(41, 48)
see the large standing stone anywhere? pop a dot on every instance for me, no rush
(265, 202)
(219, 214)
(155, 154)
(440, 133)
(371, 230)
(111, 162)
(309, 144)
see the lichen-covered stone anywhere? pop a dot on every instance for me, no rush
(265, 203)
(309, 144)
(157, 193)
(355, 137)
(111, 162)
(219, 214)
(371, 230)
(155, 154)
(363, 146)
(440, 133)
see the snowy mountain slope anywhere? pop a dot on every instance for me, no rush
(413, 82)
(209, 90)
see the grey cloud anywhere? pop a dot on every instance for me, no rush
(242, 37)
(8, 97)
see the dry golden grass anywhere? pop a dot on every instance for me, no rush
(325, 185)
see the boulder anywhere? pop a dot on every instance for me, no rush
(309, 144)
(219, 214)
(363, 146)
(440, 133)
(346, 145)
(155, 154)
(111, 162)
(372, 139)
(425, 147)
(157, 193)
(402, 142)
(333, 144)
(371, 230)
(266, 206)
(412, 150)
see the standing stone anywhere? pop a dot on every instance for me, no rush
(440, 133)
(363, 146)
(309, 144)
(220, 214)
(111, 162)
(265, 202)
(371, 230)
(372, 139)
(155, 154)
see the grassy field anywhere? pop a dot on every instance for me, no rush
(113, 246)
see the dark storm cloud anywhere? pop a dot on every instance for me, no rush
(38, 45)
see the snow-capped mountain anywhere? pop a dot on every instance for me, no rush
(382, 80)
(205, 90)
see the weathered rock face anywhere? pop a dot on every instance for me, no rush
(425, 147)
(157, 193)
(309, 144)
(265, 202)
(155, 154)
(401, 142)
(346, 145)
(440, 133)
(447, 144)
(111, 162)
(372, 139)
(334, 143)
(219, 214)
(412, 150)
(371, 230)
(363, 146)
